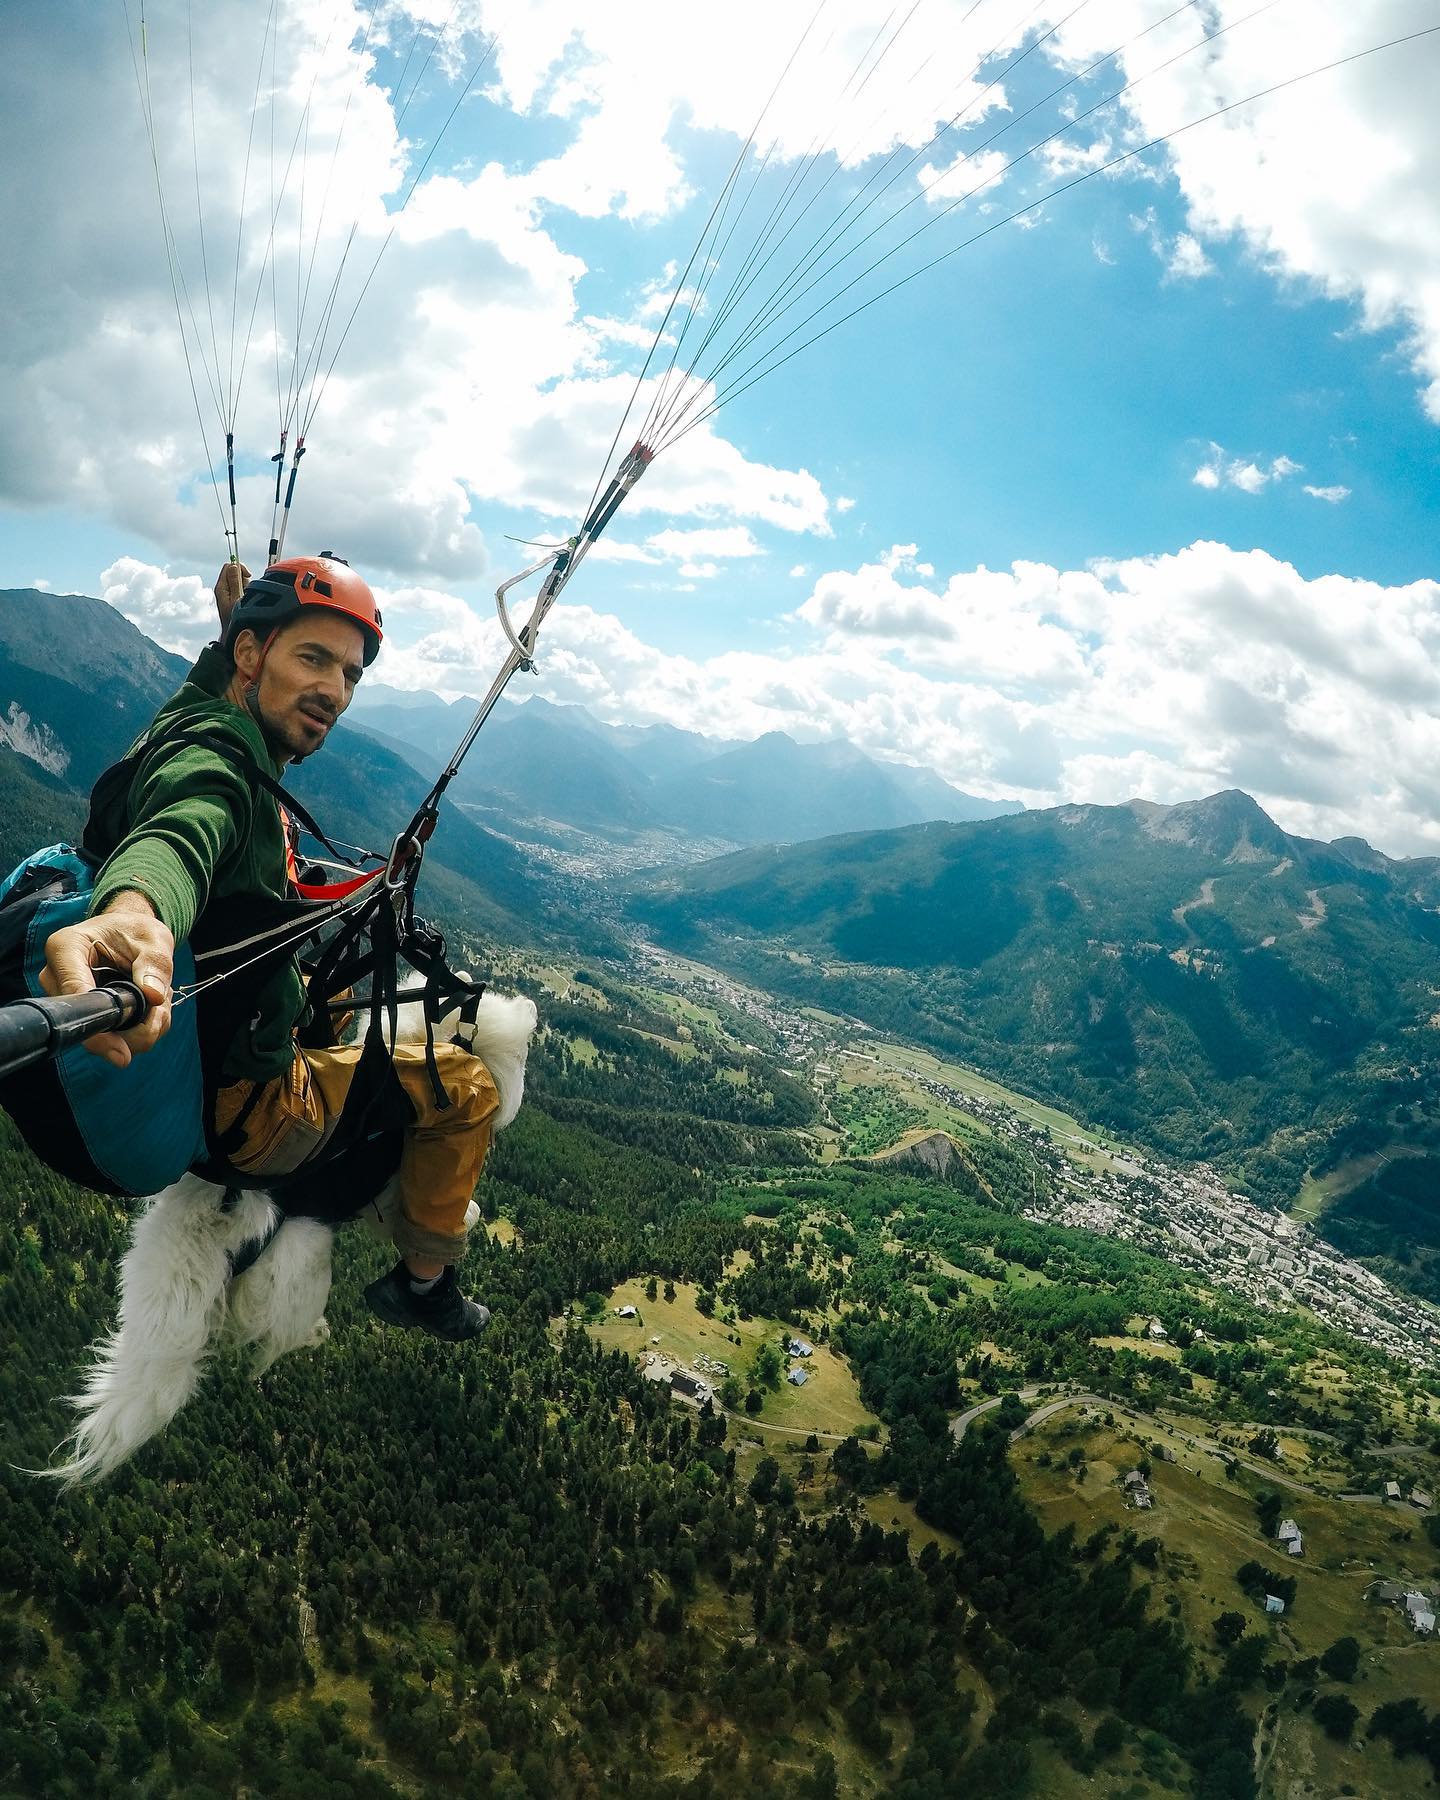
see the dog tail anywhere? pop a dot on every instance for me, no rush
(172, 1298)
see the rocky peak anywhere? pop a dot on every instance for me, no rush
(1230, 825)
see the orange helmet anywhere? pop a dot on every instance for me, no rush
(325, 580)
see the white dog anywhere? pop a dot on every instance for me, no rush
(178, 1302)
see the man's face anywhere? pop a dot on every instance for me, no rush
(306, 678)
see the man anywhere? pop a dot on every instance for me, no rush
(191, 826)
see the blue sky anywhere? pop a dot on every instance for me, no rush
(956, 530)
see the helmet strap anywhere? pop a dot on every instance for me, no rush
(252, 687)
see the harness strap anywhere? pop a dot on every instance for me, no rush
(232, 1139)
(288, 804)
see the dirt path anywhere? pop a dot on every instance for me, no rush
(740, 1418)
(1206, 897)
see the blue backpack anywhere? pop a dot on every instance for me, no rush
(120, 1131)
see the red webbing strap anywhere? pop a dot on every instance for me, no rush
(336, 890)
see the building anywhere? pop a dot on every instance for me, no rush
(1295, 1545)
(1288, 1529)
(688, 1386)
(1392, 1490)
(1137, 1491)
(1424, 1622)
(1274, 1604)
(1156, 1331)
(797, 1377)
(1418, 1498)
(624, 1312)
(798, 1347)
(1388, 1591)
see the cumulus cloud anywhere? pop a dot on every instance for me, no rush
(177, 611)
(1166, 676)
(722, 540)
(472, 375)
(964, 178)
(1172, 676)
(1183, 255)
(1334, 495)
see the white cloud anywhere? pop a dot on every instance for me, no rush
(1188, 261)
(1183, 255)
(1331, 183)
(1334, 495)
(1249, 475)
(472, 374)
(721, 540)
(967, 176)
(1168, 676)
(177, 611)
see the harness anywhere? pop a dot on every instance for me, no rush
(78, 1112)
(361, 929)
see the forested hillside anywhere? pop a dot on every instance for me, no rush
(1192, 975)
(522, 1568)
(525, 1567)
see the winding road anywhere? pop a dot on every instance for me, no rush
(962, 1422)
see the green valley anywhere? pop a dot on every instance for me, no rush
(1191, 976)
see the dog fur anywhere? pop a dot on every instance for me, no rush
(178, 1305)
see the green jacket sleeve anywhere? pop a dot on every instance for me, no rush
(188, 812)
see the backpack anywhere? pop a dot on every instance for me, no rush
(77, 1112)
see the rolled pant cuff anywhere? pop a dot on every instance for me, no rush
(434, 1246)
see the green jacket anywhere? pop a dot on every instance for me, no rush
(192, 826)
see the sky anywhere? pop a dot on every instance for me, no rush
(1123, 481)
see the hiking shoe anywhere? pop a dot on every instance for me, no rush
(443, 1312)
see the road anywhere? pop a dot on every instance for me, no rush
(962, 1422)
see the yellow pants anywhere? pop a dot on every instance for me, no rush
(293, 1116)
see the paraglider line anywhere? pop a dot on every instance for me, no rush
(1065, 187)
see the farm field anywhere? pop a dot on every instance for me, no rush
(829, 1403)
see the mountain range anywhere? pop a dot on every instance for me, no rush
(1192, 974)
(559, 765)
(78, 681)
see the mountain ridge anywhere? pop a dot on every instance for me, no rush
(1192, 974)
(661, 778)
